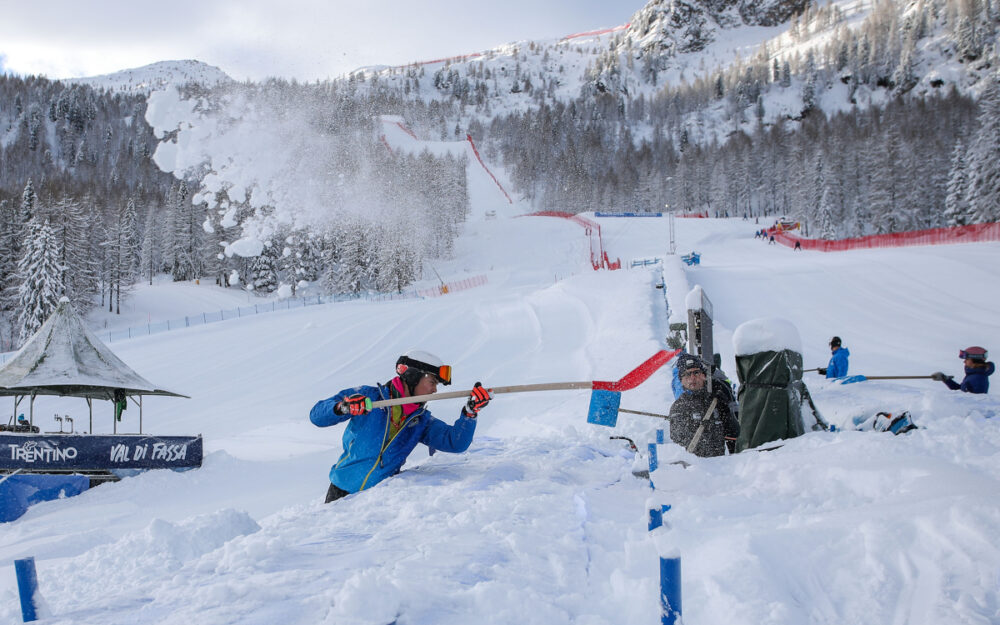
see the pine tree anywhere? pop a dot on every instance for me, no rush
(9, 255)
(984, 158)
(27, 203)
(41, 283)
(956, 206)
(809, 86)
(150, 250)
(905, 76)
(69, 224)
(263, 270)
(123, 254)
(187, 237)
(887, 180)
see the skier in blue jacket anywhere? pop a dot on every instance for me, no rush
(838, 360)
(977, 372)
(377, 442)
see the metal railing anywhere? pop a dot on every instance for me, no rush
(189, 321)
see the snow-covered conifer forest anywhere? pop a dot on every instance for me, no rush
(852, 118)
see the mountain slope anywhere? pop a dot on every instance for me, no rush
(157, 76)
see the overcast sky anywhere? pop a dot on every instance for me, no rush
(254, 39)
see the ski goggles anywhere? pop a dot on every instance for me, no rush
(442, 373)
(972, 353)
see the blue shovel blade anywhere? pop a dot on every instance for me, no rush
(851, 379)
(604, 408)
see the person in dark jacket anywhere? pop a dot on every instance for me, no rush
(838, 360)
(688, 410)
(977, 372)
(378, 441)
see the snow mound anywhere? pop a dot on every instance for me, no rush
(771, 334)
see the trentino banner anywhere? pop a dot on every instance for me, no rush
(39, 452)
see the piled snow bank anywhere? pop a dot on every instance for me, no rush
(769, 334)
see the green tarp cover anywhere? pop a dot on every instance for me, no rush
(770, 396)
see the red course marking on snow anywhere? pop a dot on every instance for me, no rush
(406, 130)
(593, 33)
(598, 258)
(638, 375)
(478, 158)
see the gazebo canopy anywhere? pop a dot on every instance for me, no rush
(66, 358)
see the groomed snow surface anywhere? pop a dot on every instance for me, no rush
(542, 521)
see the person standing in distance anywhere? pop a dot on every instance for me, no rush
(838, 360)
(377, 442)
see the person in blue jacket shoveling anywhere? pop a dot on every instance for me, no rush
(838, 360)
(977, 372)
(378, 441)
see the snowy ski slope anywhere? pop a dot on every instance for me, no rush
(542, 521)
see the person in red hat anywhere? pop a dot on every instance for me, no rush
(977, 372)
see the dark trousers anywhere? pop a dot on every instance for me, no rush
(334, 493)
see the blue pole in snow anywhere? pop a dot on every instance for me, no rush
(670, 590)
(656, 516)
(27, 586)
(659, 437)
(653, 461)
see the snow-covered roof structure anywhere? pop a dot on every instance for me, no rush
(65, 358)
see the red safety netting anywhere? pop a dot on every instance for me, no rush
(598, 257)
(478, 158)
(594, 33)
(975, 233)
(451, 287)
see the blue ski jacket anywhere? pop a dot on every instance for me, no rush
(838, 364)
(370, 455)
(977, 379)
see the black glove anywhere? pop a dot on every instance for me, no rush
(940, 377)
(821, 371)
(478, 398)
(355, 405)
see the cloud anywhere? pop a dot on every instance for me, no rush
(254, 39)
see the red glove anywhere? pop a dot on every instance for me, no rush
(355, 405)
(478, 399)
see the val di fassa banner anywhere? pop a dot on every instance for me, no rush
(35, 452)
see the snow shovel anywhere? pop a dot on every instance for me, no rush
(648, 414)
(851, 379)
(701, 427)
(604, 400)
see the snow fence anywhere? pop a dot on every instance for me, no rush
(975, 233)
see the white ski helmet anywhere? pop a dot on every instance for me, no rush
(415, 363)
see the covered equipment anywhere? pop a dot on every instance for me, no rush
(771, 392)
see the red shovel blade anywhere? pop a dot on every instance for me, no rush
(638, 375)
(606, 396)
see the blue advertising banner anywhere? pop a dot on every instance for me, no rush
(626, 214)
(39, 452)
